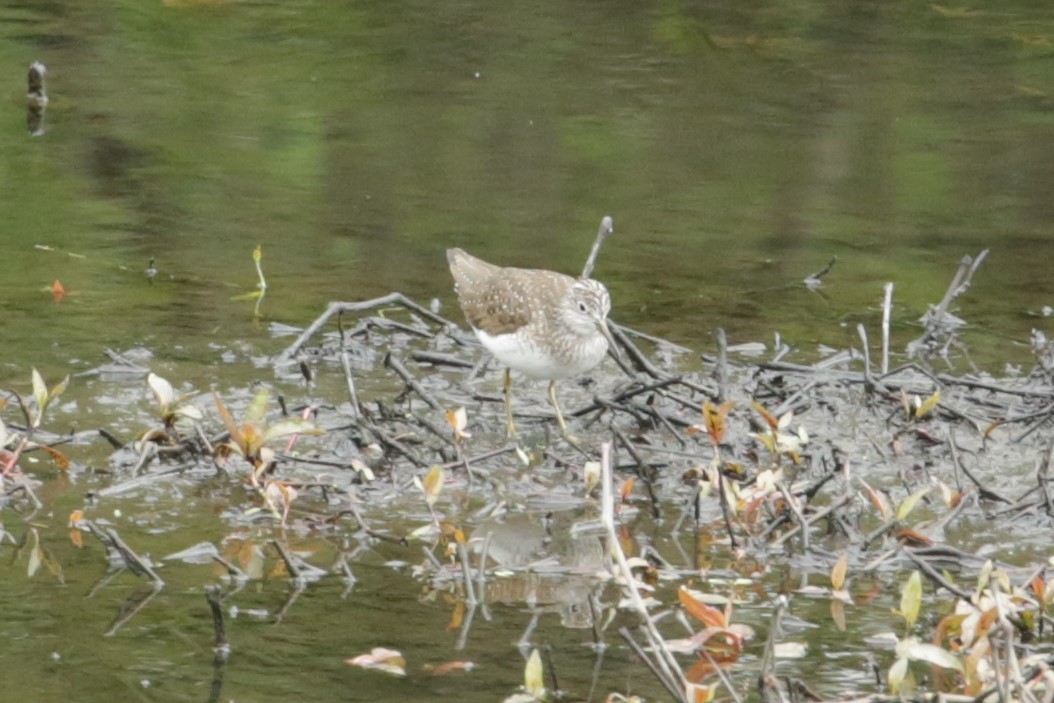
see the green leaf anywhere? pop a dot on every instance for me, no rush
(897, 672)
(257, 410)
(284, 428)
(59, 388)
(928, 405)
(40, 392)
(35, 554)
(911, 598)
(909, 503)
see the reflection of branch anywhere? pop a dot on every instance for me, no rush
(219, 625)
(119, 554)
(663, 664)
(135, 603)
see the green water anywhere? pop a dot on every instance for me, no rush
(739, 147)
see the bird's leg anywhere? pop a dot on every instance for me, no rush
(571, 439)
(510, 428)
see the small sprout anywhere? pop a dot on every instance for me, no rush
(911, 599)
(715, 422)
(458, 420)
(909, 503)
(591, 474)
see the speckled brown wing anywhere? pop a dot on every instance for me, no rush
(500, 300)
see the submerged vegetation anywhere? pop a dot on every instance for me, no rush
(902, 508)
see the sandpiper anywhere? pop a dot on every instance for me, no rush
(544, 324)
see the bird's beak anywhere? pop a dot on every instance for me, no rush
(602, 325)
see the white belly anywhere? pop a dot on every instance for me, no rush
(519, 354)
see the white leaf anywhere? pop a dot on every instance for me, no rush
(932, 654)
(162, 389)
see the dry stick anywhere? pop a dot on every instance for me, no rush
(664, 658)
(392, 443)
(959, 466)
(887, 304)
(793, 398)
(1044, 470)
(337, 307)
(936, 576)
(815, 517)
(961, 282)
(657, 340)
(423, 356)
(869, 381)
(635, 354)
(721, 370)
(345, 363)
(723, 500)
(642, 470)
(793, 506)
(607, 226)
(397, 366)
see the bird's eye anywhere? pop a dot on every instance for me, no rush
(581, 307)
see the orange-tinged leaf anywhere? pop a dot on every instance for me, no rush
(1038, 587)
(914, 538)
(838, 571)
(448, 667)
(58, 291)
(768, 417)
(457, 616)
(715, 420)
(228, 419)
(458, 420)
(700, 611)
(698, 693)
(878, 500)
(56, 456)
(627, 489)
